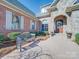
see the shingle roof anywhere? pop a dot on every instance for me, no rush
(46, 5)
(54, 2)
(51, 4)
(21, 6)
(72, 8)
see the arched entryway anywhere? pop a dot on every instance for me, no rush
(59, 22)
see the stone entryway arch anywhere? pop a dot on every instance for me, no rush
(59, 22)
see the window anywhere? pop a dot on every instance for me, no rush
(43, 10)
(33, 25)
(16, 22)
(44, 27)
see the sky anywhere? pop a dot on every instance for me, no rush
(34, 5)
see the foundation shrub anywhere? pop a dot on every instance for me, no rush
(26, 35)
(39, 33)
(12, 36)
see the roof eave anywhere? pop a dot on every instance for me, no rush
(54, 2)
(8, 5)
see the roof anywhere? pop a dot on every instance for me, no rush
(54, 2)
(21, 6)
(72, 8)
(46, 5)
(51, 4)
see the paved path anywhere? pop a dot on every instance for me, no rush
(58, 46)
(61, 47)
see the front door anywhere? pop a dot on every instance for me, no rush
(59, 26)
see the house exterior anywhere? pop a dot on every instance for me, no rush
(15, 17)
(44, 17)
(64, 16)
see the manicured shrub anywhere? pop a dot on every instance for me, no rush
(26, 35)
(77, 38)
(33, 33)
(1, 37)
(13, 35)
(46, 32)
(40, 34)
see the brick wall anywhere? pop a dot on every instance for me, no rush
(2, 19)
(26, 21)
(26, 24)
(38, 25)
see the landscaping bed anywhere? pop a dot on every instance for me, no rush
(8, 44)
(6, 50)
(42, 38)
(41, 35)
(77, 38)
(6, 47)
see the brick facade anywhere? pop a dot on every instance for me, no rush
(26, 21)
(2, 18)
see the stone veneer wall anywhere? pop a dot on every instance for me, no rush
(75, 21)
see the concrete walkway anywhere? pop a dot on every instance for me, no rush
(58, 46)
(61, 47)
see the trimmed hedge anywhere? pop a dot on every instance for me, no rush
(12, 36)
(77, 38)
(39, 33)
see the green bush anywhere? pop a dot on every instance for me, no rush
(26, 35)
(1, 37)
(13, 35)
(77, 38)
(33, 32)
(46, 32)
(40, 34)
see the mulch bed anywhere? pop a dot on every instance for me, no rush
(7, 47)
(7, 44)
(42, 38)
